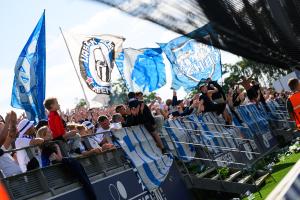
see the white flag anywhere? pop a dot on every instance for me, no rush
(94, 57)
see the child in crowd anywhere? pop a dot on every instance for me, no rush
(50, 151)
(51, 154)
(55, 122)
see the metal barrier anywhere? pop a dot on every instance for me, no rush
(193, 138)
(49, 181)
(207, 136)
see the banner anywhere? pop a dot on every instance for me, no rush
(138, 144)
(142, 69)
(29, 84)
(192, 61)
(94, 57)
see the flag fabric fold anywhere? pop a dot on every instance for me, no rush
(191, 60)
(28, 91)
(142, 69)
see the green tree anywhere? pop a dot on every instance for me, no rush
(81, 103)
(150, 97)
(263, 73)
(119, 92)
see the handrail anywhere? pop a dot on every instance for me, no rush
(214, 124)
(51, 141)
(219, 147)
(213, 160)
(237, 138)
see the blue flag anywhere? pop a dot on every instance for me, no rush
(28, 90)
(142, 69)
(192, 61)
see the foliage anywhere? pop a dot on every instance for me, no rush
(81, 103)
(119, 92)
(279, 171)
(263, 72)
(150, 97)
(223, 172)
(192, 93)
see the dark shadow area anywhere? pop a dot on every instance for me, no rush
(282, 166)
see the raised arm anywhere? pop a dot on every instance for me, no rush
(12, 133)
(174, 100)
(5, 129)
(214, 90)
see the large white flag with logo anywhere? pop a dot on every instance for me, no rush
(94, 57)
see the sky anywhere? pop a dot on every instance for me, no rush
(18, 19)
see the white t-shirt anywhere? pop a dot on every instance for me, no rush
(100, 137)
(22, 156)
(94, 144)
(8, 165)
(115, 126)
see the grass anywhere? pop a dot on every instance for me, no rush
(279, 171)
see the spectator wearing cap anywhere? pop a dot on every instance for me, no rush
(141, 114)
(8, 134)
(26, 138)
(90, 131)
(90, 127)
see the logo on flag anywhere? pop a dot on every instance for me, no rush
(95, 56)
(192, 61)
(96, 64)
(28, 90)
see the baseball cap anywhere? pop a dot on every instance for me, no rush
(88, 124)
(202, 83)
(23, 126)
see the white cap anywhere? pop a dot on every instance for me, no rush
(88, 124)
(23, 126)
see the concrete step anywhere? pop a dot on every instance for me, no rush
(261, 179)
(233, 176)
(205, 173)
(216, 177)
(245, 179)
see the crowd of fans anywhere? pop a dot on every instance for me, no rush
(87, 131)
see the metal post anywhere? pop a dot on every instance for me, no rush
(181, 159)
(85, 97)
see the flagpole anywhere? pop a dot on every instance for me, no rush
(85, 97)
